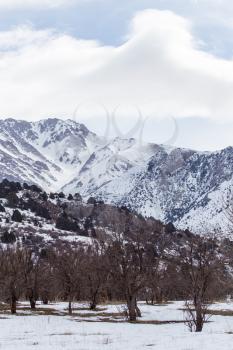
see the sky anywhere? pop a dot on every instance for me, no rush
(158, 70)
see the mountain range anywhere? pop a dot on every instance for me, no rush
(186, 187)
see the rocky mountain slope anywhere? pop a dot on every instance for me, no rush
(183, 186)
(37, 219)
(48, 152)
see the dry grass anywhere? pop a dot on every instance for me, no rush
(96, 316)
(156, 322)
(98, 309)
(120, 320)
(27, 311)
(50, 311)
(56, 334)
(160, 304)
(220, 312)
(4, 307)
(215, 312)
(102, 314)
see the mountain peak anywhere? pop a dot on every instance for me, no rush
(172, 184)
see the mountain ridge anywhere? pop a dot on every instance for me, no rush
(180, 185)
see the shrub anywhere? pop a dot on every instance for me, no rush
(52, 195)
(2, 209)
(12, 200)
(170, 228)
(37, 208)
(67, 224)
(44, 196)
(78, 197)
(70, 197)
(35, 188)
(91, 200)
(8, 238)
(16, 216)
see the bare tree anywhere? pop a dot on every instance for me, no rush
(200, 260)
(96, 272)
(127, 259)
(13, 264)
(157, 247)
(30, 273)
(47, 292)
(67, 269)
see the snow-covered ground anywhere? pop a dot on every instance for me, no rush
(51, 328)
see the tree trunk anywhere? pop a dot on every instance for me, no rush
(13, 305)
(32, 303)
(93, 303)
(32, 296)
(138, 311)
(159, 297)
(132, 309)
(45, 301)
(92, 306)
(199, 319)
(109, 295)
(70, 308)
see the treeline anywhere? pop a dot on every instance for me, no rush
(126, 268)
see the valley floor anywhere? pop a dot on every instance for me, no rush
(161, 328)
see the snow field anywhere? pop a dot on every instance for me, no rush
(88, 330)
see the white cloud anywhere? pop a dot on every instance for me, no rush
(161, 68)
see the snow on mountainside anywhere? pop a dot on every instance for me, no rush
(48, 152)
(171, 184)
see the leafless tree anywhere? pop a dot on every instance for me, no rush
(127, 256)
(157, 247)
(67, 271)
(31, 275)
(96, 272)
(13, 269)
(200, 260)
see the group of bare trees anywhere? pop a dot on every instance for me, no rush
(126, 267)
(204, 269)
(22, 275)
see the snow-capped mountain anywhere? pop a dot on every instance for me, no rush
(49, 152)
(171, 184)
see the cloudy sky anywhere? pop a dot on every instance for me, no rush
(161, 70)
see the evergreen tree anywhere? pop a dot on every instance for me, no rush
(16, 216)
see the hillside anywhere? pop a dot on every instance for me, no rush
(176, 185)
